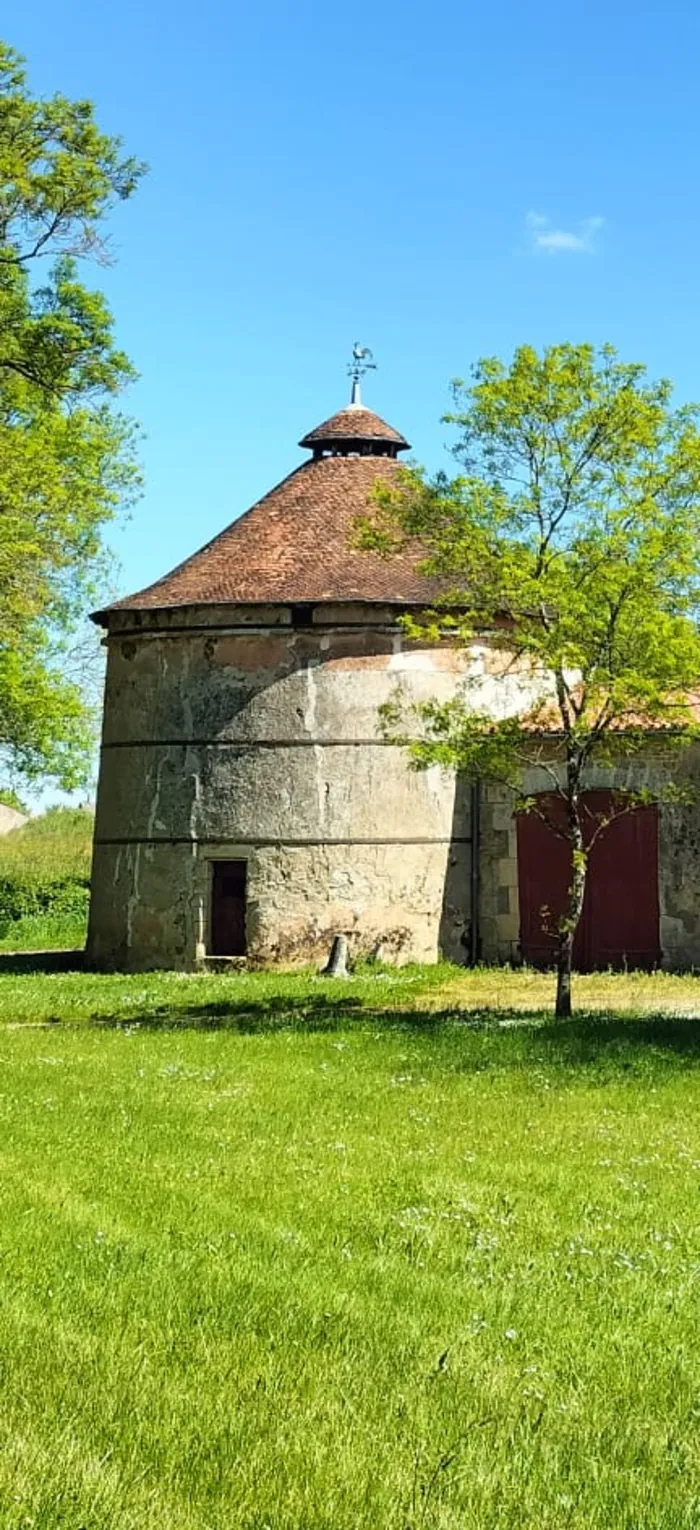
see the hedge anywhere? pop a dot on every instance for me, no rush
(45, 866)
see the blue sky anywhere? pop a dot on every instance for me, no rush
(436, 180)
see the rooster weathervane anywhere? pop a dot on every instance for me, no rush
(362, 361)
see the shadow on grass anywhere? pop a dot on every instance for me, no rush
(21, 962)
(489, 1037)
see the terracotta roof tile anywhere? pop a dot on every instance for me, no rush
(295, 545)
(548, 719)
(355, 423)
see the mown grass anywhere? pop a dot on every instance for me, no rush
(30, 990)
(282, 1253)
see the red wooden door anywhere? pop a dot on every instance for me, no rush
(619, 925)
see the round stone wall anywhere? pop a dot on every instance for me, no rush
(254, 736)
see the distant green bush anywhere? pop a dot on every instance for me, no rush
(45, 867)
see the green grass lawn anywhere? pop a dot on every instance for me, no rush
(398, 1252)
(44, 932)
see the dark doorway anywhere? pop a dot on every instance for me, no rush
(228, 895)
(619, 926)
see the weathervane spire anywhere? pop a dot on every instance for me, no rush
(362, 361)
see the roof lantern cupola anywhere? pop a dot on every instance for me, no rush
(356, 431)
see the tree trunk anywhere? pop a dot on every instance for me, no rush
(562, 1004)
(569, 922)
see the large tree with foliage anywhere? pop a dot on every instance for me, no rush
(572, 538)
(66, 454)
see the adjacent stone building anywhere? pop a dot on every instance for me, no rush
(248, 805)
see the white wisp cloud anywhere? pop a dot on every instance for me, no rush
(544, 238)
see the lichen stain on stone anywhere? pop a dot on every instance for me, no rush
(382, 658)
(311, 942)
(410, 660)
(152, 929)
(250, 652)
(369, 662)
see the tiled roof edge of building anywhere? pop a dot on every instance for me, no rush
(296, 544)
(126, 602)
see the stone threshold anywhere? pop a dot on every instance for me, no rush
(222, 964)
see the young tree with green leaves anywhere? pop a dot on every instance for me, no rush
(67, 461)
(570, 541)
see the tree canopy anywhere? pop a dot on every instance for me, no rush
(571, 538)
(67, 458)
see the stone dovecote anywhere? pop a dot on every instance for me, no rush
(248, 805)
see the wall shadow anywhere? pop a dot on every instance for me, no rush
(19, 962)
(477, 1040)
(455, 932)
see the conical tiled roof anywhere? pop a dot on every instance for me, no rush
(355, 423)
(299, 543)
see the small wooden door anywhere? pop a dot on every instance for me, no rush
(228, 898)
(619, 925)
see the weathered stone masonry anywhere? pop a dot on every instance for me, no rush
(234, 734)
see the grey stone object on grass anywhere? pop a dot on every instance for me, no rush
(337, 964)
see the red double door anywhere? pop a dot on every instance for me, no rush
(619, 926)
